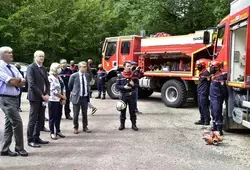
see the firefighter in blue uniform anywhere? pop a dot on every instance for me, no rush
(203, 92)
(127, 83)
(101, 79)
(218, 93)
(65, 73)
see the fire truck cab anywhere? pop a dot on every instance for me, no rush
(232, 46)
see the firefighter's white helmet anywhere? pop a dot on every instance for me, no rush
(120, 105)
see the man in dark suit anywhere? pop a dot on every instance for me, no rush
(38, 91)
(80, 92)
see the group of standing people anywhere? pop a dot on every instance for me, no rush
(55, 89)
(212, 92)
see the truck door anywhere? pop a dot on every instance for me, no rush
(125, 52)
(238, 52)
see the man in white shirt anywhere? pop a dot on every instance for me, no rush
(80, 92)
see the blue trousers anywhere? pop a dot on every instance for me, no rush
(101, 87)
(130, 102)
(216, 109)
(203, 103)
(55, 115)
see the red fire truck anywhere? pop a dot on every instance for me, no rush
(168, 63)
(232, 46)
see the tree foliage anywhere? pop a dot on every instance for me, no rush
(73, 29)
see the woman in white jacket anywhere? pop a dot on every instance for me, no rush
(56, 100)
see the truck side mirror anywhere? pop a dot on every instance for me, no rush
(206, 37)
(100, 46)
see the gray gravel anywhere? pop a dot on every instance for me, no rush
(167, 139)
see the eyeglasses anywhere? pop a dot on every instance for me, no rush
(84, 66)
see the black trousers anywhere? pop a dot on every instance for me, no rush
(83, 104)
(131, 103)
(55, 115)
(67, 105)
(36, 120)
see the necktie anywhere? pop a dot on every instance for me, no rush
(41, 70)
(83, 86)
(13, 74)
(9, 67)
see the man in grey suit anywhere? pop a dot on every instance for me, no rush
(38, 91)
(80, 92)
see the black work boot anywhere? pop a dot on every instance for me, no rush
(99, 96)
(134, 127)
(220, 126)
(207, 121)
(104, 97)
(122, 125)
(199, 122)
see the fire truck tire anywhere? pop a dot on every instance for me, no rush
(174, 93)
(144, 93)
(111, 89)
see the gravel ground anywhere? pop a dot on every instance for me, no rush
(167, 139)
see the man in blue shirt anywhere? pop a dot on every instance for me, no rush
(10, 82)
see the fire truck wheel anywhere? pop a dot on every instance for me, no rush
(111, 89)
(174, 93)
(144, 93)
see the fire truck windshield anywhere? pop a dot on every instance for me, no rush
(220, 38)
(110, 50)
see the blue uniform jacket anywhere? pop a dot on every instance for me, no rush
(124, 79)
(101, 76)
(218, 88)
(204, 83)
